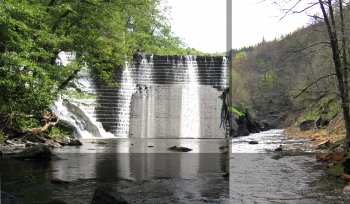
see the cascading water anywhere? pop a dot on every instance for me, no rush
(190, 113)
(162, 96)
(83, 118)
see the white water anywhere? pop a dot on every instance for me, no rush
(190, 113)
(87, 104)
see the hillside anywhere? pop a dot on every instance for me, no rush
(291, 79)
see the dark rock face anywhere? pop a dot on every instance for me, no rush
(346, 165)
(39, 151)
(75, 143)
(245, 124)
(307, 125)
(9, 199)
(106, 194)
(179, 149)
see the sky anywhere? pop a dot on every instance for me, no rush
(202, 23)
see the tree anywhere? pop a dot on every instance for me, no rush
(103, 34)
(333, 18)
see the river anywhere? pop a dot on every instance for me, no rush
(144, 171)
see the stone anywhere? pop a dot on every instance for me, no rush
(346, 190)
(279, 148)
(242, 131)
(75, 143)
(106, 194)
(10, 199)
(253, 142)
(39, 151)
(1, 153)
(307, 125)
(346, 165)
(179, 149)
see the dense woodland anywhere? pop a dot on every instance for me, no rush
(103, 34)
(296, 71)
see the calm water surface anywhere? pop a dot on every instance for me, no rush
(142, 170)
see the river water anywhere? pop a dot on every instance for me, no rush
(144, 171)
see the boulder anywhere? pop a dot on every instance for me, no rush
(9, 199)
(346, 165)
(106, 194)
(242, 131)
(39, 151)
(253, 142)
(346, 190)
(179, 149)
(307, 125)
(75, 143)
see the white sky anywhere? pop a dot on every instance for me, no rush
(202, 23)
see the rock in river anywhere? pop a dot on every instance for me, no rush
(9, 199)
(179, 149)
(39, 151)
(106, 194)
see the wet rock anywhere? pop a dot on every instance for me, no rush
(179, 149)
(253, 142)
(40, 151)
(307, 125)
(346, 165)
(1, 153)
(223, 147)
(106, 194)
(59, 181)
(10, 199)
(75, 143)
(346, 190)
(242, 131)
(279, 148)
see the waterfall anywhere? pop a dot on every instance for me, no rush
(160, 96)
(190, 115)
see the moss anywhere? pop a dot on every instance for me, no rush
(335, 170)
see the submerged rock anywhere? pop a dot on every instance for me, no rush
(10, 199)
(39, 151)
(179, 149)
(75, 143)
(106, 194)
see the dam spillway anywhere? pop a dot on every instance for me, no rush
(164, 96)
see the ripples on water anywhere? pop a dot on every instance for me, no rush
(259, 175)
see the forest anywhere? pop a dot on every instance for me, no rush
(299, 76)
(102, 34)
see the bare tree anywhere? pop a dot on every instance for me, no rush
(333, 18)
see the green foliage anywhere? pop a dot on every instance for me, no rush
(2, 136)
(238, 112)
(102, 34)
(336, 169)
(60, 131)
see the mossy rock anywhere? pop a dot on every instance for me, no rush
(39, 151)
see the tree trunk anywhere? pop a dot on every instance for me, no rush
(331, 28)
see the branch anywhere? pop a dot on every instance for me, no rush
(311, 46)
(303, 90)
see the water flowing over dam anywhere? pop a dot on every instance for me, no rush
(164, 96)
